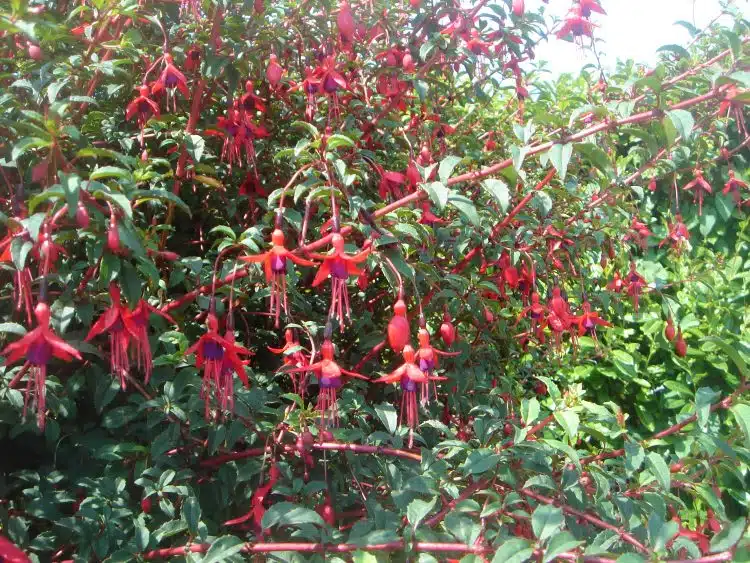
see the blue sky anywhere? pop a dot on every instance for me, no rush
(631, 29)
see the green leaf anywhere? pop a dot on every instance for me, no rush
(681, 52)
(659, 468)
(560, 155)
(71, 185)
(569, 421)
(515, 550)
(465, 206)
(499, 191)
(222, 549)
(634, 456)
(191, 512)
(730, 351)
(388, 416)
(529, 410)
(683, 122)
(111, 172)
(19, 251)
(195, 146)
(480, 461)
(728, 536)
(546, 520)
(290, 514)
(563, 447)
(26, 144)
(561, 543)
(338, 140)
(446, 167)
(120, 200)
(418, 509)
(518, 154)
(438, 193)
(13, 328)
(704, 398)
(630, 558)
(741, 414)
(160, 195)
(542, 202)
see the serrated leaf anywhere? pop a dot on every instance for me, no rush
(499, 192)
(546, 520)
(290, 514)
(569, 421)
(741, 414)
(560, 155)
(438, 193)
(634, 456)
(388, 416)
(195, 146)
(529, 410)
(515, 550)
(466, 207)
(730, 351)
(683, 122)
(659, 469)
(13, 328)
(704, 398)
(222, 549)
(338, 140)
(418, 509)
(446, 167)
(728, 536)
(561, 543)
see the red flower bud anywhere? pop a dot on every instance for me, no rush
(146, 505)
(652, 185)
(345, 22)
(82, 216)
(447, 331)
(35, 52)
(669, 330)
(680, 346)
(518, 8)
(398, 327)
(113, 236)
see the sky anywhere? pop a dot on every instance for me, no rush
(631, 29)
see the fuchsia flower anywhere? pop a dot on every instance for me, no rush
(733, 186)
(339, 265)
(588, 320)
(678, 235)
(409, 376)
(143, 108)
(633, 285)
(141, 345)
(169, 80)
(116, 320)
(250, 102)
(274, 72)
(296, 359)
(275, 265)
(585, 7)
(639, 233)
(329, 375)
(219, 357)
(428, 361)
(38, 346)
(700, 186)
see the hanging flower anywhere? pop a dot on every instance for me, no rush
(274, 71)
(428, 360)
(193, 58)
(329, 375)
(410, 377)
(588, 320)
(250, 102)
(700, 187)
(219, 357)
(143, 108)
(678, 235)
(733, 186)
(295, 358)
(536, 312)
(118, 322)
(275, 266)
(141, 345)
(585, 7)
(169, 80)
(616, 284)
(9, 553)
(638, 233)
(38, 347)
(634, 284)
(339, 265)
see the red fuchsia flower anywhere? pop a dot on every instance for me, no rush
(638, 233)
(537, 314)
(508, 275)
(331, 81)
(169, 80)
(9, 553)
(219, 357)
(558, 325)
(239, 132)
(700, 187)
(193, 58)
(526, 282)
(733, 186)
(680, 346)
(345, 22)
(118, 322)
(141, 348)
(250, 102)
(390, 184)
(143, 108)
(275, 266)
(410, 377)
(678, 235)
(585, 7)
(669, 332)
(616, 284)
(339, 265)
(557, 241)
(326, 511)
(652, 185)
(38, 347)
(577, 26)
(558, 304)
(428, 361)
(588, 320)
(398, 327)
(295, 358)
(518, 8)
(274, 71)
(428, 217)
(731, 104)
(634, 284)
(329, 377)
